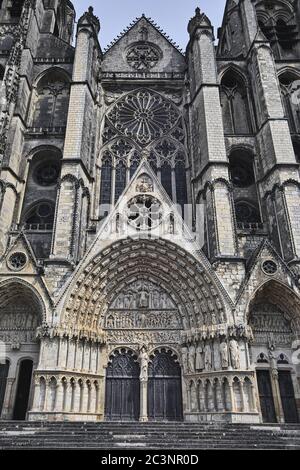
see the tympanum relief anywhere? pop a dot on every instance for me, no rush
(143, 313)
(270, 323)
(18, 325)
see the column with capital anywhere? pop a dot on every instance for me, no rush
(275, 387)
(144, 359)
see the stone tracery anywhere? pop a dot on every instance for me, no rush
(143, 56)
(143, 115)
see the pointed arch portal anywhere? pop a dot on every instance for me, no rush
(274, 318)
(21, 312)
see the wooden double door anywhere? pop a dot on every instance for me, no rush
(164, 388)
(122, 400)
(286, 393)
(122, 395)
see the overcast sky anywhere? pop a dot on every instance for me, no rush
(171, 15)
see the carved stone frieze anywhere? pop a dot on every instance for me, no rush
(270, 323)
(143, 337)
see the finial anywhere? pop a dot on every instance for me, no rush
(91, 10)
(200, 20)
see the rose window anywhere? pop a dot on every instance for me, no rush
(47, 174)
(144, 116)
(270, 267)
(143, 57)
(144, 212)
(17, 261)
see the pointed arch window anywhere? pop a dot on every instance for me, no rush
(166, 178)
(235, 105)
(281, 33)
(134, 164)
(181, 186)
(42, 183)
(120, 179)
(245, 193)
(290, 89)
(247, 213)
(51, 101)
(153, 162)
(286, 34)
(106, 180)
(40, 217)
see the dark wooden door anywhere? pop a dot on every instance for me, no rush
(164, 388)
(23, 390)
(3, 379)
(266, 396)
(288, 397)
(122, 400)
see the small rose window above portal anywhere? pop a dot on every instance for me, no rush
(143, 57)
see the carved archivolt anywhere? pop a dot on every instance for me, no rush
(112, 273)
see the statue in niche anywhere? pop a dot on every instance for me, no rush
(185, 360)
(171, 228)
(192, 352)
(144, 359)
(128, 298)
(144, 299)
(235, 354)
(156, 300)
(224, 354)
(165, 301)
(208, 357)
(199, 358)
(120, 301)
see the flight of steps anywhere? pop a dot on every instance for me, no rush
(164, 436)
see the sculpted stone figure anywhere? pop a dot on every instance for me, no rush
(144, 185)
(208, 357)
(235, 354)
(192, 352)
(185, 360)
(224, 354)
(144, 358)
(144, 299)
(199, 358)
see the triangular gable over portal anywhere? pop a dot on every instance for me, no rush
(132, 218)
(143, 32)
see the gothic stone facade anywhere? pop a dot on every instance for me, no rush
(150, 217)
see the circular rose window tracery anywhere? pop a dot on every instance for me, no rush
(143, 57)
(17, 261)
(144, 116)
(144, 212)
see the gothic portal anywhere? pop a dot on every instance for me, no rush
(149, 217)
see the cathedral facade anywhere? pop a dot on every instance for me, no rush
(150, 217)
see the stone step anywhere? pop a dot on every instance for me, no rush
(68, 435)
